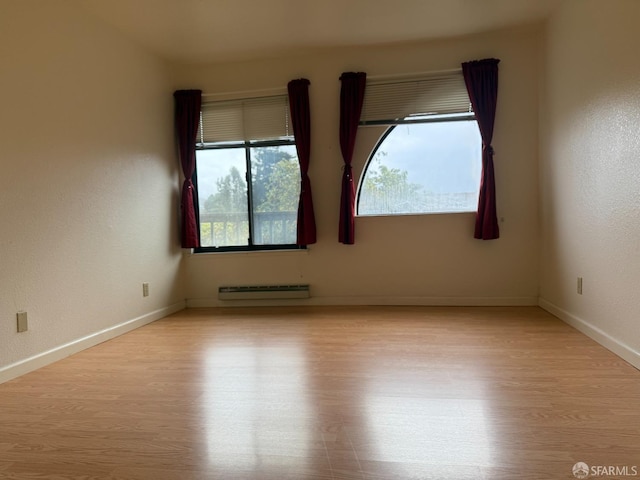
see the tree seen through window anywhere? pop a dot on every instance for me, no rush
(226, 219)
(417, 168)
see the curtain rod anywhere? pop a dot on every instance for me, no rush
(400, 76)
(265, 92)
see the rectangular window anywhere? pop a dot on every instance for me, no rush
(247, 176)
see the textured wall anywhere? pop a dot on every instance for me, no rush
(409, 259)
(590, 175)
(88, 179)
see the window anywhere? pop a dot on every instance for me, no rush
(429, 157)
(247, 176)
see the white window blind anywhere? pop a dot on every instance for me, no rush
(264, 118)
(390, 101)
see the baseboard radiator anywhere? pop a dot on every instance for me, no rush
(263, 292)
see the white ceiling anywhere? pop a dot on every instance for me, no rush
(222, 30)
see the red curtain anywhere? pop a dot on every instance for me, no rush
(481, 79)
(301, 121)
(187, 118)
(351, 99)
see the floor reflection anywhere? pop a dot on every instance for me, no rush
(256, 405)
(427, 431)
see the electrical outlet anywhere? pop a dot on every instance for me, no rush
(579, 286)
(145, 289)
(23, 325)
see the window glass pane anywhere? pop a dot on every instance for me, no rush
(275, 177)
(222, 192)
(424, 168)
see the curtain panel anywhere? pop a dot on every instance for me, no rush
(187, 118)
(481, 79)
(351, 100)
(301, 122)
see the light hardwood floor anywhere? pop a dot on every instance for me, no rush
(327, 393)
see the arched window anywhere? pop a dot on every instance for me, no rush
(430, 166)
(429, 159)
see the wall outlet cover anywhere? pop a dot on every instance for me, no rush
(23, 324)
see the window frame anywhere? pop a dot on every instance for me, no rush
(247, 145)
(391, 125)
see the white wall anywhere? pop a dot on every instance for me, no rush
(410, 259)
(88, 182)
(590, 171)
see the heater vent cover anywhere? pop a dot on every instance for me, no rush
(262, 292)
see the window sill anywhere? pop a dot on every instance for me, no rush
(251, 253)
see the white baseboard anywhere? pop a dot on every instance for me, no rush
(616, 346)
(45, 358)
(358, 301)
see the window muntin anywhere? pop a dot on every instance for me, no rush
(423, 165)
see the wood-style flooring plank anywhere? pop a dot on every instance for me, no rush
(364, 393)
